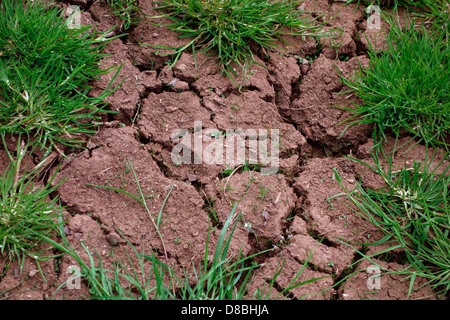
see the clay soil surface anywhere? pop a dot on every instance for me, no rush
(289, 211)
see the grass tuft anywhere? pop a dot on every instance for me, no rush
(128, 11)
(230, 28)
(26, 214)
(414, 213)
(45, 70)
(406, 86)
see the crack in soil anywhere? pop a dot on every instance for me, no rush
(338, 281)
(319, 237)
(360, 48)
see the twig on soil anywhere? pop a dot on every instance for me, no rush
(226, 183)
(136, 115)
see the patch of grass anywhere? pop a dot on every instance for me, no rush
(229, 28)
(406, 86)
(414, 213)
(128, 11)
(45, 69)
(262, 192)
(227, 172)
(25, 211)
(246, 166)
(252, 166)
(211, 208)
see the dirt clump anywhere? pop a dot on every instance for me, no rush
(314, 112)
(108, 162)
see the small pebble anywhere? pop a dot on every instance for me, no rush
(32, 273)
(181, 86)
(181, 67)
(155, 35)
(192, 177)
(113, 239)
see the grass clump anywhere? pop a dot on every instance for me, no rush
(413, 212)
(127, 10)
(406, 86)
(230, 27)
(45, 69)
(26, 214)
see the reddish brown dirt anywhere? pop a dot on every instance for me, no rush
(290, 211)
